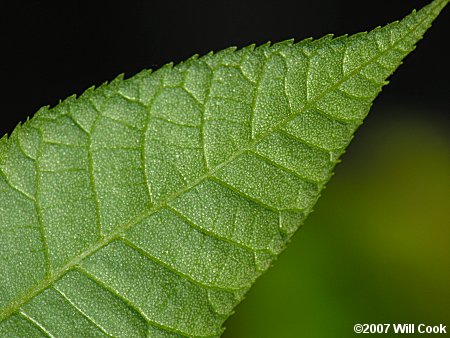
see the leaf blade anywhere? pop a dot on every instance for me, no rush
(150, 131)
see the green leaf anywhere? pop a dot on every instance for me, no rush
(149, 206)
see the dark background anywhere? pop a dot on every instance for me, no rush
(377, 248)
(52, 49)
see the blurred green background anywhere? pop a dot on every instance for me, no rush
(377, 247)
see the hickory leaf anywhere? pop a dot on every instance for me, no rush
(149, 206)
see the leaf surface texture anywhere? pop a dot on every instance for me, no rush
(148, 207)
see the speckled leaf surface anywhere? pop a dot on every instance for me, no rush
(149, 206)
